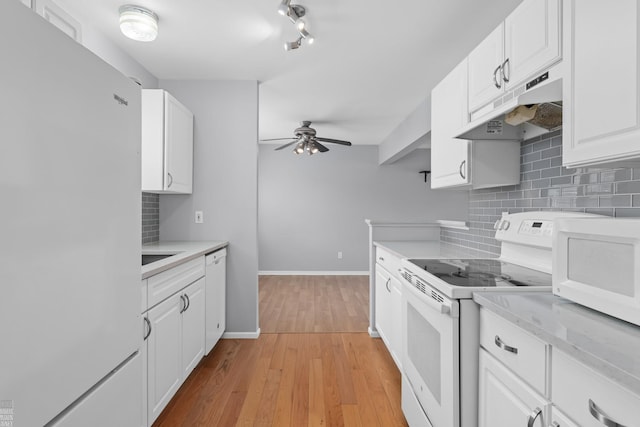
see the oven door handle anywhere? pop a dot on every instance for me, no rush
(435, 305)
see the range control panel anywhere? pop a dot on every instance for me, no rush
(536, 228)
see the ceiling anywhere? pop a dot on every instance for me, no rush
(372, 62)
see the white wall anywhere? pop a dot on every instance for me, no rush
(224, 187)
(311, 207)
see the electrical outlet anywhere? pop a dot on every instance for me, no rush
(199, 217)
(339, 254)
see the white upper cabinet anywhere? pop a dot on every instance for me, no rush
(485, 61)
(601, 89)
(458, 162)
(532, 40)
(526, 43)
(58, 17)
(167, 144)
(449, 155)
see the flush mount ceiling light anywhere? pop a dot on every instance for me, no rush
(138, 23)
(295, 12)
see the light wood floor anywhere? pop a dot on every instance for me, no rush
(314, 304)
(322, 378)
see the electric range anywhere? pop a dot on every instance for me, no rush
(440, 321)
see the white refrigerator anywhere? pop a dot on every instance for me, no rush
(70, 231)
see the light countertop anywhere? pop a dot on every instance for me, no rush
(431, 249)
(605, 344)
(184, 250)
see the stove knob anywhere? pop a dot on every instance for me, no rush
(506, 225)
(496, 225)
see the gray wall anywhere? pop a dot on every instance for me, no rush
(224, 186)
(546, 185)
(311, 207)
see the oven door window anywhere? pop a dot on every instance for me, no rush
(431, 358)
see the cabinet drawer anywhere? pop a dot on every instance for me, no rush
(582, 394)
(168, 282)
(387, 260)
(520, 351)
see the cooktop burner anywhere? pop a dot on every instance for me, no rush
(482, 273)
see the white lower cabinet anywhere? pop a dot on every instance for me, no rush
(173, 333)
(388, 312)
(164, 352)
(505, 400)
(590, 399)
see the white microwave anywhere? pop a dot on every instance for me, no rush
(596, 263)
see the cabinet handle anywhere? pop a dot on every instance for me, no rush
(505, 78)
(381, 258)
(188, 302)
(170, 180)
(495, 79)
(600, 416)
(464, 162)
(532, 418)
(146, 320)
(184, 304)
(505, 347)
(386, 285)
(555, 424)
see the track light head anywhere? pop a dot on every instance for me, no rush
(308, 37)
(293, 45)
(283, 8)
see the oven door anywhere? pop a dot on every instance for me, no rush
(431, 355)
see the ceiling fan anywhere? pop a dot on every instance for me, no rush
(305, 139)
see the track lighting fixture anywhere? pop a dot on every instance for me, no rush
(295, 12)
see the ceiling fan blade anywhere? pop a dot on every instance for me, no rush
(277, 139)
(333, 141)
(287, 144)
(321, 148)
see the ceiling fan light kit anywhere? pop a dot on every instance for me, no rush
(138, 23)
(306, 140)
(295, 12)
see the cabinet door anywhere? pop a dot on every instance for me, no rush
(59, 18)
(178, 130)
(215, 306)
(395, 333)
(505, 400)
(449, 156)
(164, 370)
(193, 327)
(383, 304)
(485, 82)
(144, 355)
(26, 2)
(532, 39)
(600, 90)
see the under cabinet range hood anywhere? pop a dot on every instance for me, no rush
(528, 110)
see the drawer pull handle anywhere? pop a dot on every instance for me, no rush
(532, 418)
(600, 416)
(381, 259)
(505, 347)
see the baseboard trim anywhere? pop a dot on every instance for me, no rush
(241, 335)
(373, 333)
(313, 273)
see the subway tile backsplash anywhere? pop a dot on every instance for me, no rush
(546, 185)
(150, 218)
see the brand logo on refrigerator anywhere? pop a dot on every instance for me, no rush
(120, 100)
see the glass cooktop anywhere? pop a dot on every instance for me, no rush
(482, 273)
